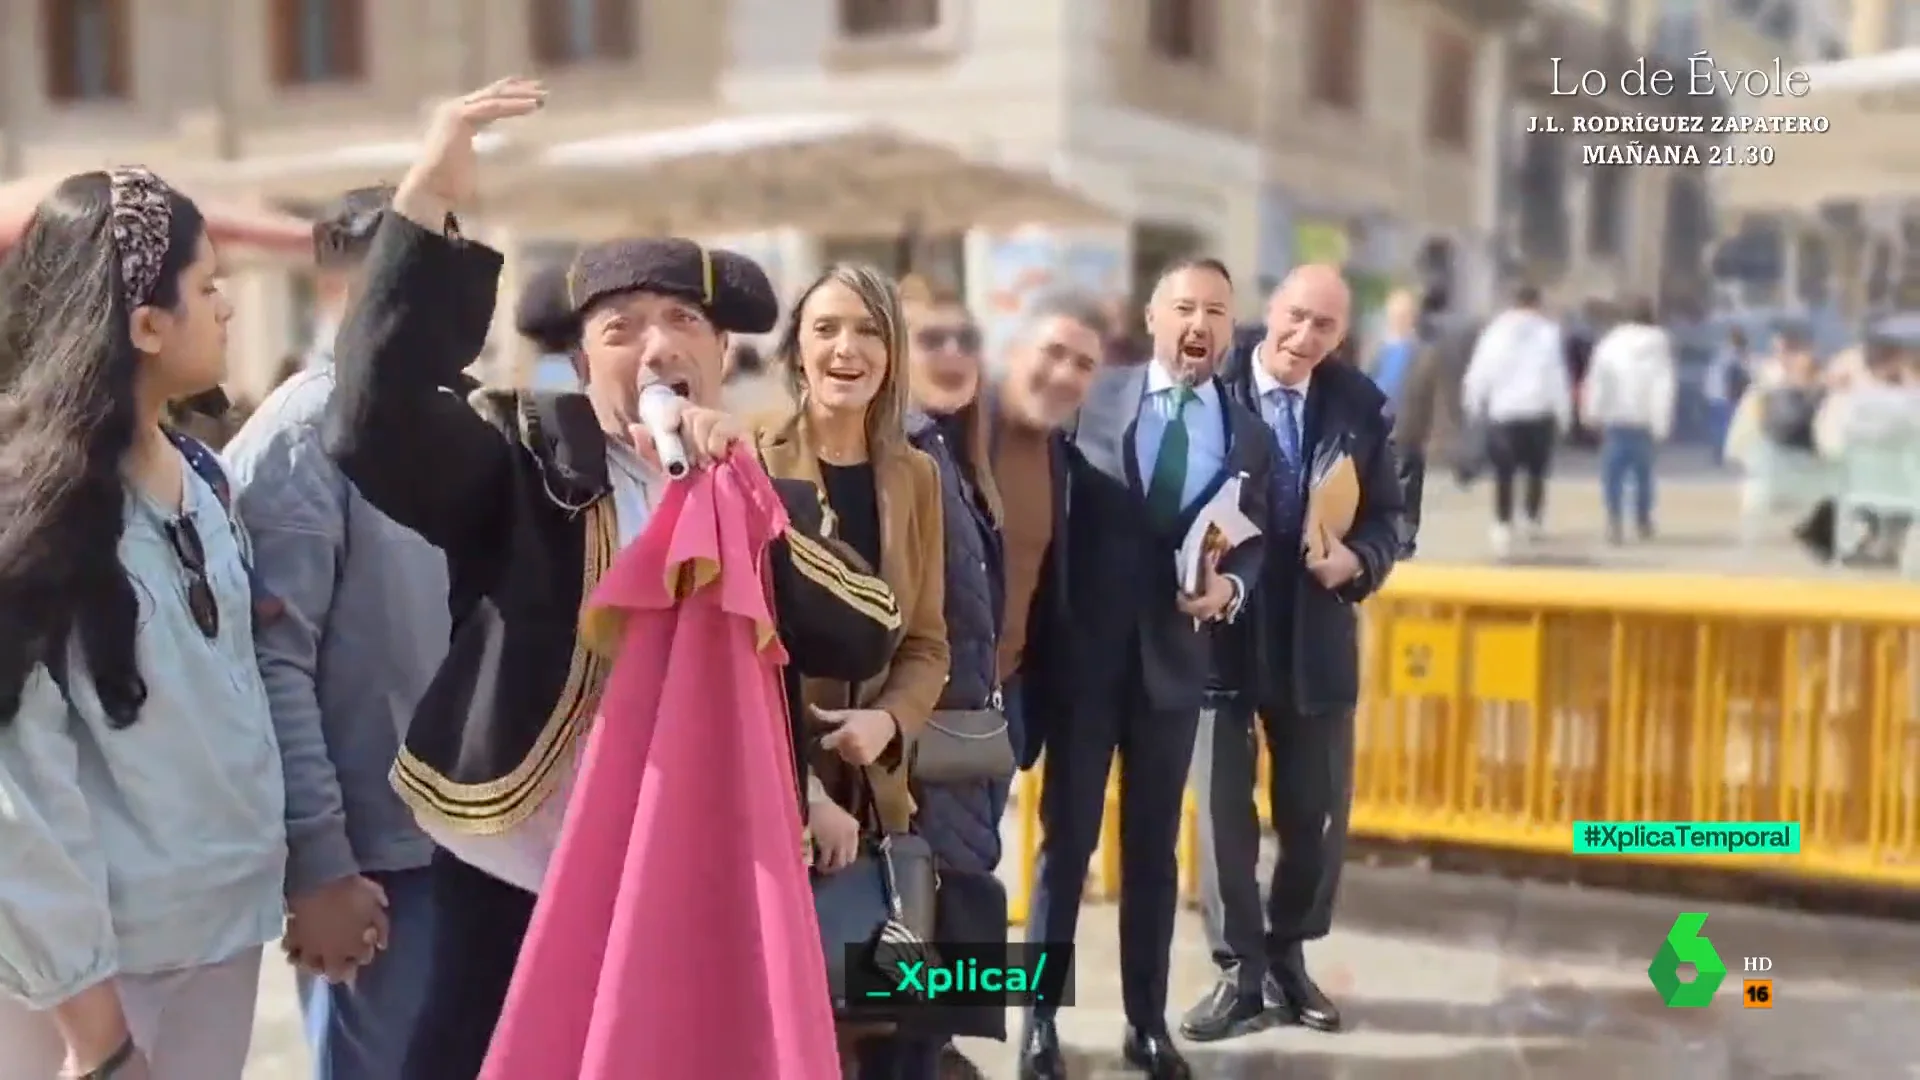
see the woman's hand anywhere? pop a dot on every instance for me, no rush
(836, 836)
(859, 736)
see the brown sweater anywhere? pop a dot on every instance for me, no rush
(1024, 473)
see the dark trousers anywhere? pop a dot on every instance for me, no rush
(1520, 449)
(1155, 747)
(479, 925)
(1310, 800)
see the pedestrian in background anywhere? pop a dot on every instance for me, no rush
(1628, 396)
(1729, 374)
(1390, 362)
(1517, 385)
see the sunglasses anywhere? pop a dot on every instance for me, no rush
(201, 603)
(963, 338)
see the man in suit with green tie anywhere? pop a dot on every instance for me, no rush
(1154, 443)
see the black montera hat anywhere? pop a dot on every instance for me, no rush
(730, 288)
(543, 311)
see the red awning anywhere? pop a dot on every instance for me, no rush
(254, 229)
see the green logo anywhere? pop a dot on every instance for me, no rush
(1685, 945)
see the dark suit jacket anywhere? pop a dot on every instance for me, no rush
(1299, 640)
(1123, 585)
(514, 488)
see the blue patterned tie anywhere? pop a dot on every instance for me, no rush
(1287, 471)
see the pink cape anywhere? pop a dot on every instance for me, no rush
(675, 937)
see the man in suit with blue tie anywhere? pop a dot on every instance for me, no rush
(1154, 442)
(1293, 659)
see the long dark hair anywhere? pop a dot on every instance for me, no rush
(67, 418)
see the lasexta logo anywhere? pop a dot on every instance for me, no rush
(1686, 945)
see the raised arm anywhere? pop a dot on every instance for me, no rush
(400, 427)
(58, 950)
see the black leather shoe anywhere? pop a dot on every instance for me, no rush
(1155, 1055)
(1224, 1013)
(1292, 995)
(1040, 1052)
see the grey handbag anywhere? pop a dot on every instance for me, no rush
(961, 745)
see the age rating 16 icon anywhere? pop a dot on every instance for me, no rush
(1687, 946)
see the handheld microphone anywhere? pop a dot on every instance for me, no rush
(660, 412)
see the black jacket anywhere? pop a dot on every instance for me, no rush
(1297, 641)
(514, 489)
(958, 820)
(1131, 639)
(976, 572)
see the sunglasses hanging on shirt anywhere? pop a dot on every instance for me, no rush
(201, 602)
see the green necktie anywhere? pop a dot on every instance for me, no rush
(1169, 479)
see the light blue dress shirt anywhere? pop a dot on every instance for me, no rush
(1206, 431)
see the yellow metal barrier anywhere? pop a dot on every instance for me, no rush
(1501, 705)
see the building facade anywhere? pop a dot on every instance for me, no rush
(1264, 132)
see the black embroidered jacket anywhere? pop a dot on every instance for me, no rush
(514, 488)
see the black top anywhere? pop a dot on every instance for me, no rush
(854, 496)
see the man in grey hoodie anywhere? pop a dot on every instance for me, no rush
(365, 628)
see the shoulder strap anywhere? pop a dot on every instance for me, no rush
(201, 459)
(206, 464)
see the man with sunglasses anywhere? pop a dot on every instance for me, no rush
(366, 626)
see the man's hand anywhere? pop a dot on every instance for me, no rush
(1215, 596)
(859, 736)
(447, 171)
(708, 434)
(338, 927)
(1337, 567)
(836, 836)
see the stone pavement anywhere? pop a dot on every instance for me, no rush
(1697, 516)
(1452, 978)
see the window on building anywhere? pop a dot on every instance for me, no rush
(319, 41)
(885, 18)
(1183, 30)
(86, 49)
(581, 31)
(1336, 37)
(1449, 88)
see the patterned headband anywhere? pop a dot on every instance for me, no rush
(142, 211)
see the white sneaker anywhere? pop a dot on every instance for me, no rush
(1501, 536)
(1536, 532)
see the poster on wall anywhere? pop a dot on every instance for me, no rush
(1020, 265)
(1023, 264)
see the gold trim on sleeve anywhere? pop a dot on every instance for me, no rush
(495, 806)
(864, 593)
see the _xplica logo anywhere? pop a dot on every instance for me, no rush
(1685, 945)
